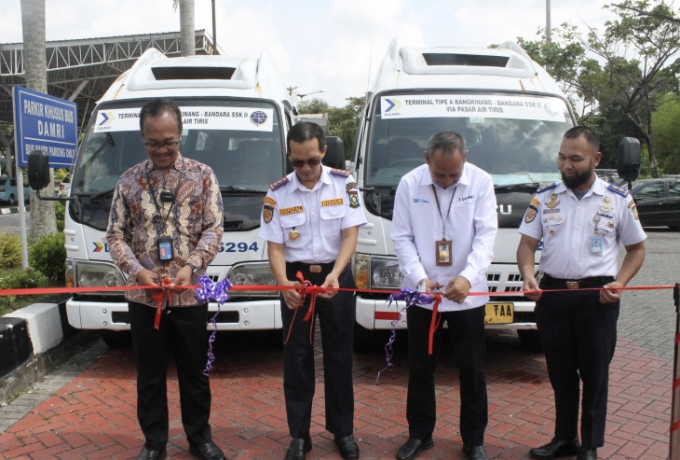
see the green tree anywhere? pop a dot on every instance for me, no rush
(187, 30)
(666, 125)
(314, 105)
(42, 217)
(344, 122)
(624, 71)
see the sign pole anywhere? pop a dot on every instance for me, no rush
(20, 194)
(675, 410)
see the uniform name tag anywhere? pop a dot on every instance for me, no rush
(333, 202)
(293, 210)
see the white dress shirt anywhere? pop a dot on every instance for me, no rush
(317, 216)
(567, 226)
(471, 225)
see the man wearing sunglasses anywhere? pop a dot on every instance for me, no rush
(310, 220)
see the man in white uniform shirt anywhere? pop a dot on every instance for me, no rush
(311, 221)
(582, 220)
(444, 227)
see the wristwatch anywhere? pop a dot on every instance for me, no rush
(193, 268)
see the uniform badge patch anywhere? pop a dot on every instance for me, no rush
(350, 186)
(553, 201)
(333, 202)
(267, 213)
(353, 199)
(291, 210)
(270, 201)
(530, 214)
(635, 213)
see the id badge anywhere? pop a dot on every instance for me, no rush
(165, 248)
(596, 242)
(443, 253)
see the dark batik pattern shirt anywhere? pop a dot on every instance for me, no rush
(194, 223)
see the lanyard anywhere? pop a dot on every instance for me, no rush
(164, 220)
(436, 198)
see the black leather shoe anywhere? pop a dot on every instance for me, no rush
(587, 454)
(413, 447)
(147, 454)
(299, 447)
(207, 451)
(349, 450)
(555, 449)
(475, 453)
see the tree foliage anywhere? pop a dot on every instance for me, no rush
(342, 121)
(620, 74)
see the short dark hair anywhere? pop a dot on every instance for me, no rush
(305, 131)
(448, 142)
(156, 107)
(590, 136)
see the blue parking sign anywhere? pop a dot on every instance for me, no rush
(44, 122)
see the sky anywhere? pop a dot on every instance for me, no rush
(334, 46)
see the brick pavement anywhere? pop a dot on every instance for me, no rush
(93, 415)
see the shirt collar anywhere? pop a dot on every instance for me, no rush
(598, 187)
(324, 179)
(464, 178)
(177, 165)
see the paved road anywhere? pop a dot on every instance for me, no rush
(86, 409)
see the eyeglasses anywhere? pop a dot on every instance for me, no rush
(311, 162)
(154, 145)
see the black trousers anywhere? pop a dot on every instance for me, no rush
(336, 320)
(469, 345)
(579, 339)
(183, 335)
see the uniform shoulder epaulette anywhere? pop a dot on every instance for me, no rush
(616, 189)
(279, 183)
(340, 172)
(547, 187)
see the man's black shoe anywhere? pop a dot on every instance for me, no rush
(475, 453)
(587, 454)
(413, 447)
(299, 447)
(207, 451)
(555, 449)
(147, 454)
(349, 450)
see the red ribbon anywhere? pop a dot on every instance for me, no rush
(435, 321)
(303, 290)
(260, 287)
(162, 298)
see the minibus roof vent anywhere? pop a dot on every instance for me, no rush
(508, 61)
(193, 73)
(465, 59)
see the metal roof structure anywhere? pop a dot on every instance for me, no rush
(82, 70)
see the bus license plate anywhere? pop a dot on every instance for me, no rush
(499, 313)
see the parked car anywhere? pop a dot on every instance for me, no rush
(8, 191)
(658, 201)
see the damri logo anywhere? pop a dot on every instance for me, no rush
(393, 105)
(106, 119)
(99, 247)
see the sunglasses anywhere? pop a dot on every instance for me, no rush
(311, 162)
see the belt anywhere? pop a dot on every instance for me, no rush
(311, 268)
(561, 283)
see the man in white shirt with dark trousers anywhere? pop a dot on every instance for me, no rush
(444, 228)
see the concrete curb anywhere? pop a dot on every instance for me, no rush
(38, 339)
(13, 210)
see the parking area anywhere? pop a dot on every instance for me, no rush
(92, 413)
